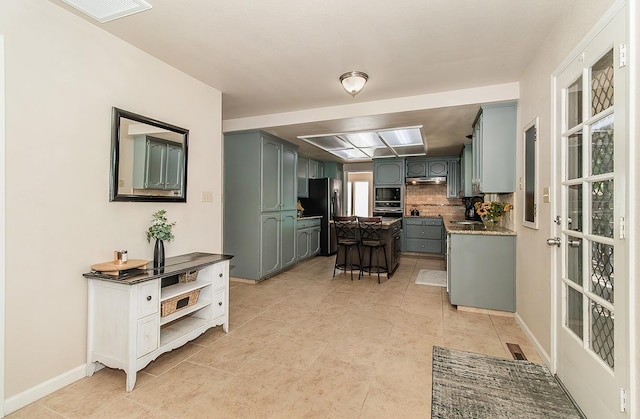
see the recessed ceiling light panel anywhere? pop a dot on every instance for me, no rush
(364, 139)
(406, 141)
(407, 136)
(107, 10)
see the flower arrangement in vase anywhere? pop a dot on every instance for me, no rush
(160, 230)
(492, 212)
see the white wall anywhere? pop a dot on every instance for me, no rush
(533, 263)
(63, 75)
(634, 286)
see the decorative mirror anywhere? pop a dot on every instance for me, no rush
(530, 213)
(148, 159)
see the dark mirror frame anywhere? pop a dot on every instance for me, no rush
(116, 116)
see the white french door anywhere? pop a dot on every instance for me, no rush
(591, 267)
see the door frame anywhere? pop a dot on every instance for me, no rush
(2, 224)
(619, 6)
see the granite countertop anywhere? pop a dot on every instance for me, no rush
(173, 266)
(386, 222)
(478, 229)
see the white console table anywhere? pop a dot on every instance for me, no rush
(125, 327)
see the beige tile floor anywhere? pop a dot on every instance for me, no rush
(301, 344)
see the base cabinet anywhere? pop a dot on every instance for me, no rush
(481, 271)
(126, 326)
(424, 235)
(308, 238)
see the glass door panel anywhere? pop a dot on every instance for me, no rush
(590, 156)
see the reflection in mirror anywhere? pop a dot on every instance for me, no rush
(530, 175)
(148, 159)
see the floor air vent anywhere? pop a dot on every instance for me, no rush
(516, 352)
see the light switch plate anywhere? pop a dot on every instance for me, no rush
(546, 197)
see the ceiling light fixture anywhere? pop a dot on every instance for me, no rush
(353, 81)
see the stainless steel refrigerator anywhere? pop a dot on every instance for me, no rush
(325, 199)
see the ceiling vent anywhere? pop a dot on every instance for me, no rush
(106, 10)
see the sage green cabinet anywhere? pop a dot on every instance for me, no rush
(277, 241)
(453, 179)
(388, 172)
(158, 163)
(494, 149)
(481, 271)
(260, 196)
(333, 170)
(424, 235)
(426, 166)
(303, 177)
(270, 260)
(308, 238)
(437, 168)
(416, 168)
(314, 169)
(466, 170)
(288, 238)
(307, 169)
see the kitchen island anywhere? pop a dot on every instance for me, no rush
(391, 235)
(481, 266)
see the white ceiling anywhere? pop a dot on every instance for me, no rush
(278, 56)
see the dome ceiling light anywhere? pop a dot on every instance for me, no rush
(354, 81)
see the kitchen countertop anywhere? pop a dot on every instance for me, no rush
(310, 217)
(474, 229)
(387, 222)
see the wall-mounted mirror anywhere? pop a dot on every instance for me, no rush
(530, 198)
(148, 159)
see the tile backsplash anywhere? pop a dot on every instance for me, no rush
(432, 201)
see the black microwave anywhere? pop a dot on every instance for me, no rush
(388, 194)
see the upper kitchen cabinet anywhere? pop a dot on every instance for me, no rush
(437, 168)
(494, 149)
(453, 178)
(466, 170)
(307, 169)
(303, 177)
(416, 167)
(260, 196)
(388, 172)
(427, 166)
(333, 170)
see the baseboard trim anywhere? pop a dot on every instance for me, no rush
(44, 389)
(541, 352)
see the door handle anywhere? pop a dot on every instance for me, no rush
(554, 241)
(574, 242)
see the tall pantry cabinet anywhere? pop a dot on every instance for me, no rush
(260, 197)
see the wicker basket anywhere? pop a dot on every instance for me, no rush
(179, 302)
(188, 276)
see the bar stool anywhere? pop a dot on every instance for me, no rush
(369, 230)
(346, 236)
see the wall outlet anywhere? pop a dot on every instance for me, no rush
(207, 196)
(121, 182)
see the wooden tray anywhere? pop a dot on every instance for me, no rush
(112, 268)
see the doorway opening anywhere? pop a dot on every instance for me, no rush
(360, 194)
